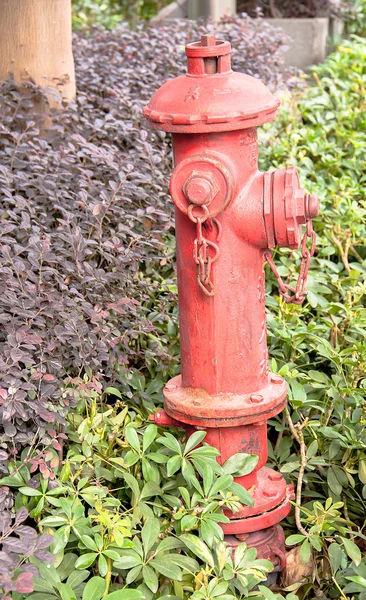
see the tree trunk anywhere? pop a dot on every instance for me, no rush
(35, 44)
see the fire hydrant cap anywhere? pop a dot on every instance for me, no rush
(210, 97)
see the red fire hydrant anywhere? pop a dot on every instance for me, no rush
(228, 217)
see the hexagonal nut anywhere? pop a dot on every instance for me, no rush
(307, 206)
(200, 188)
(300, 206)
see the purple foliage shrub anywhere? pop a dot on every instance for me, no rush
(85, 210)
(19, 542)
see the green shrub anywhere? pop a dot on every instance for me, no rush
(320, 348)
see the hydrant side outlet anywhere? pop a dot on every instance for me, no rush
(228, 217)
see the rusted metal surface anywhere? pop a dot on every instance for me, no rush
(268, 542)
(228, 217)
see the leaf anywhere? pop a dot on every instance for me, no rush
(312, 449)
(149, 436)
(13, 480)
(210, 531)
(89, 542)
(67, 566)
(150, 579)
(41, 596)
(112, 554)
(198, 548)
(27, 491)
(352, 550)
(21, 515)
(94, 589)
(150, 488)
(164, 565)
(85, 560)
(294, 539)
(76, 578)
(149, 533)
(169, 543)
(243, 494)
(362, 470)
(132, 438)
(305, 552)
(102, 565)
(128, 560)
(66, 592)
(113, 391)
(267, 593)
(24, 583)
(240, 464)
(335, 556)
(53, 521)
(333, 482)
(170, 442)
(193, 440)
(187, 563)
(125, 594)
(358, 579)
(316, 542)
(188, 522)
(132, 484)
(173, 464)
(221, 484)
(60, 539)
(133, 574)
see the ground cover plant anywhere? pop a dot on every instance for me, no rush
(90, 337)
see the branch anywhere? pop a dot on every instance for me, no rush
(297, 433)
(343, 253)
(356, 254)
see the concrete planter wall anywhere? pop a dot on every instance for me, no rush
(308, 43)
(308, 40)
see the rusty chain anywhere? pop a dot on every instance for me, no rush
(298, 293)
(202, 247)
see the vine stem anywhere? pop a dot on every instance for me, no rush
(108, 576)
(340, 590)
(298, 435)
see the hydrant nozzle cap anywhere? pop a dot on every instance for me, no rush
(210, 97)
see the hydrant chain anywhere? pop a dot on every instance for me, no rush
(203, 260)
(299, 292)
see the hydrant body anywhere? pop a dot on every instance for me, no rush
(228, 216)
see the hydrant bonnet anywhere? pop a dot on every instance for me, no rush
(211, 97)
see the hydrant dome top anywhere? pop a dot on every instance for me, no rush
(210, 97)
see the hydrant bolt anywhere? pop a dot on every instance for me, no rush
(256, 398)
(276, 379)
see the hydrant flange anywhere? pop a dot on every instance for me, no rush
(195, 406)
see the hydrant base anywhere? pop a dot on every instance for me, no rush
(261, 521)
(269, 543)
